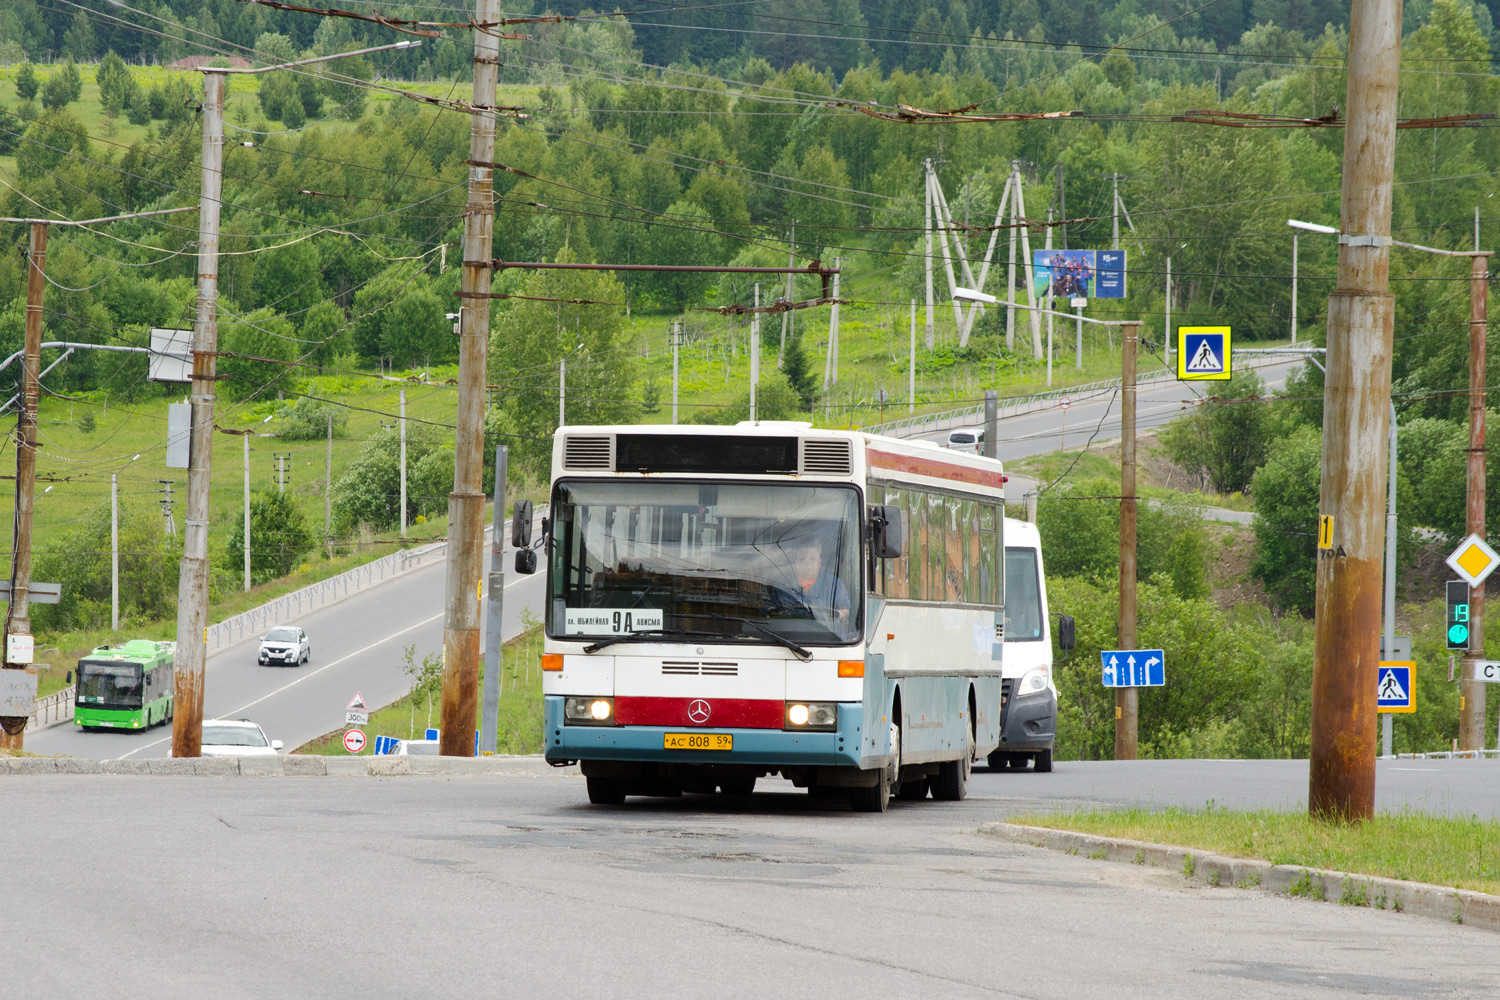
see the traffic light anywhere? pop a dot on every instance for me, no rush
(1458, 614)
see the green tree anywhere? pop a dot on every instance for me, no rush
(529, 340)
(26, 82)
(1225, 440)
(256, 348)
(414, 329)
(79, 41)
(1285, 492)
(349, 98)
(307, 420)
(370, 492)
(114, 82)
(80, 561)
(799, 373)
(279, 535)
(62, 87)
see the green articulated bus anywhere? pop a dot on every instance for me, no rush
(128, 686)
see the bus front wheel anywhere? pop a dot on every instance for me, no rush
(1043, 761)
(606, 791)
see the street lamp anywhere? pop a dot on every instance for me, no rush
(1311, 227)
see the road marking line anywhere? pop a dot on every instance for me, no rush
(299, 680)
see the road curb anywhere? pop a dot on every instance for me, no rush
(1460, 906)
(294, 766)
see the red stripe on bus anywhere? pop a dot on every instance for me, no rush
(736, 713)
(928, 467)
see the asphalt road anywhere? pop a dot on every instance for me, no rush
(469, 887)
(1098, 416)
(357, 644)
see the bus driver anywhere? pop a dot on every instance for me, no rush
(819, 591)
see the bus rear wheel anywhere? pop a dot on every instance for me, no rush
(606, 791)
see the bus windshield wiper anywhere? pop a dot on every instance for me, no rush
(610, 640)
(759, 629)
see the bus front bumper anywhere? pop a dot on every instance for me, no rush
(769, 748)
(1030, 722)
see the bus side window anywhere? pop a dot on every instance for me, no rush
(953, 547)
(936, 568)
(973, 593)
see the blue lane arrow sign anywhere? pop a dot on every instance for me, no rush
(1133, 667)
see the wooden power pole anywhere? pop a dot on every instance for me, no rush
(1471, 727)
(1127, 699)
(1356, 404)
(192, 581)
(465, 568)
(18, 612)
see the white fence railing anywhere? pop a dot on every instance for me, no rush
(1014, 406)
(1444, 755)
(55, 707)
(58, 707)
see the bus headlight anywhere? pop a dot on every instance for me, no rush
(811, 715)
(589, 711)
(1033, 682)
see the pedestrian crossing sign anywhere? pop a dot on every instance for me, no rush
(1394, 690)
(1202, 353)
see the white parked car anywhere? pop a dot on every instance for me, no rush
(285, 644)
(969, 439)
(236, 738)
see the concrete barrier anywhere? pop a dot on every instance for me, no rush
(294, 766)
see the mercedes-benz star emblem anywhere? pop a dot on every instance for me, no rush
(699, 711)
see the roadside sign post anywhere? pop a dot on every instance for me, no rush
(1203, 353)
(1397, 655)
(1063, 404)
(1131, 668)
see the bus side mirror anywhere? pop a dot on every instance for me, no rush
(885, 531)
(526, 561)
(1066, 640)
(520, 526)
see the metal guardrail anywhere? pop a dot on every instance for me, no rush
(1444, 755)
(54, 708)
(1014, 406)
(319, 594)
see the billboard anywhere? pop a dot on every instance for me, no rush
(1078, 274)
(1109, 274)
(1063, 274)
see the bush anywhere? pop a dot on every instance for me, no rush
(1286, 491)
(307, 420)
(1223, 443)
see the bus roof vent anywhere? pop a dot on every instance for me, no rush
(589, 452)
(826, 458)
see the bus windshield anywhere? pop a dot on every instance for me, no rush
(109, 685)
(1023, 596)
(730, 559)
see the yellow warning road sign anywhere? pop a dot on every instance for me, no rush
(1474, 560)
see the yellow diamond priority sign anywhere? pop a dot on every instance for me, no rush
(1474, 560)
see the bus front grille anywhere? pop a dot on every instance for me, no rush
(695, 668)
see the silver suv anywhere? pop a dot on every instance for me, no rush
(285, 644)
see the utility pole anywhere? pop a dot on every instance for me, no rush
(1013, 188)
(327, 488)
(1471, 689)
(676, 338)
(1170, 339)
(466, 502)
(754, 353)
(991, 447)
(169, 523)
(1356, 400)
(927, 254)
(1114, 236)
(786, 317)
(911, 363)
(838, 262)
(1294, 289)
(114, 552)
(403, 462)
(494, 613)
(1127, 699)
(18, 611)
(245, 439)
(283, 473)
(1048, 299)
(1062, 207)
(192, 585)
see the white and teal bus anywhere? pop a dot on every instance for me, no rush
(726, 603)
